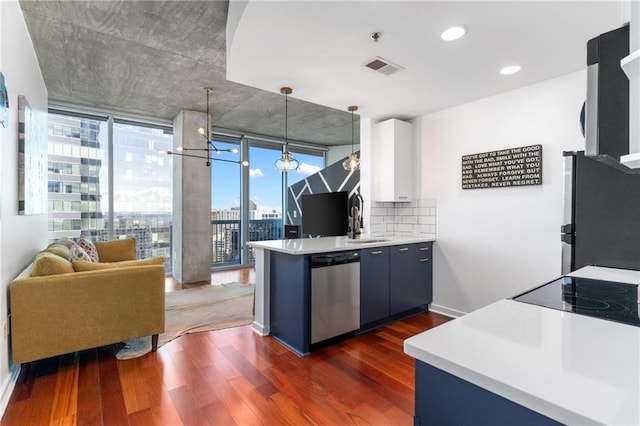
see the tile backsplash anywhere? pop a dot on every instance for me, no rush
(417, 218)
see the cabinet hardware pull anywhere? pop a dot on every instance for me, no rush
(424, 248)
(424, 259)
(403, 249)
(376, 252)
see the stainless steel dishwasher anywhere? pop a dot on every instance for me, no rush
(335, 294)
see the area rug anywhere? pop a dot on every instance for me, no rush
(211, 307)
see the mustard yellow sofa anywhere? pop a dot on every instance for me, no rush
(60, 306)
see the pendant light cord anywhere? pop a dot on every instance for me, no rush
(286, 121)
(352, 163)
(208, 131)
(352, 132)
(287, 162)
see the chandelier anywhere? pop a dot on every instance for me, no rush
(210, 148)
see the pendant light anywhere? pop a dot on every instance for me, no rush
(207, 152)
(286, 162)
(352, 163)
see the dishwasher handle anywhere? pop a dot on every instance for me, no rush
(338, 258)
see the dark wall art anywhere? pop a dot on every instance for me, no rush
(504, 168)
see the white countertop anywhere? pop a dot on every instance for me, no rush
(569, 367)
(301, 246)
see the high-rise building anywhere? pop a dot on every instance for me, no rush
(74, 166)
(263, 225)
(79, 186)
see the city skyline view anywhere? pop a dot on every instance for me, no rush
(87, 159)
(265, 185)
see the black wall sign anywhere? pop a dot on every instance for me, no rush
(508, 167)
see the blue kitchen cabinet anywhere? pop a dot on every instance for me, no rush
(410, 274)
(444, 399)
(395, 281)
(290, 301)
(374, 284)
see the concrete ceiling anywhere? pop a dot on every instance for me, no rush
(154, 57)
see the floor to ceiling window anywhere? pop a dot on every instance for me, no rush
(310, 163)
(116, 185)
(129, 197)
(77, 163)
(266, 186)
(264, 192)
(265, 195)
(226, 206)
(143, 188)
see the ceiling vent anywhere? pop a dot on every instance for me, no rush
(382, 66)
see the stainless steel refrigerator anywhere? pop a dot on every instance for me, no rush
(601, 223)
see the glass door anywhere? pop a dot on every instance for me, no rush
(259, 217)
(226, 213)
(265, 195)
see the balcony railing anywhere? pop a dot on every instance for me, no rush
(226, 239)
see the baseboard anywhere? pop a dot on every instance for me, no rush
(260, 329)
(291, 348)
(7, 388)
(443, 310)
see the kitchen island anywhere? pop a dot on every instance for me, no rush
(283, 269)
(513, 363)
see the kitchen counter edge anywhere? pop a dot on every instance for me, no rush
(302, 246)
(448, 347)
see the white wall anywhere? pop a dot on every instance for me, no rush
(20, 236)
(496, 243)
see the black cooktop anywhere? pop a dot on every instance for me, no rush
(607, 300)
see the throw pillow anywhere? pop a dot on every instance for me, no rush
(117, 250)
(77, 253)
(59, 249)
(83, 266)
(65, 241)
(47, 263)
(89, 248)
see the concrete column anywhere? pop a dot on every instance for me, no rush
(192, 240)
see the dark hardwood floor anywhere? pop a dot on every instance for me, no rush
(227, 377)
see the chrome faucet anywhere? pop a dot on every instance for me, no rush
(355, 215)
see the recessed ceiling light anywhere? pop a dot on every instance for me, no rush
(511, 69)
(453, 33)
